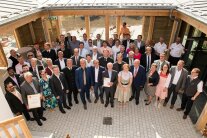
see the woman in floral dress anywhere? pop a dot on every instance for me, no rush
(48, 98)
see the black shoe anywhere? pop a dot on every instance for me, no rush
(85, 107)
(105, 105)
(148, 103)
(179, 109)
(67, 107)
(164, 104)
(172, 106)
(131, 98)
(31, 119)
(76, 101)
(70, 104)
(39, 123)
(102, 101)
(145, 100)
(89, 100)
(137, 103)
(43, 118)
(112, 105)
(62, 111)
(96, 100)
(184, 116)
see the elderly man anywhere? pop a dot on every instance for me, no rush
(95, 55)
(31, 86)
(35, 68)
(76, 57)
(193, 88)
(83, 81)
(177, 83)
(147, 59)
(130, 60)
(160, 48)
(113, 77)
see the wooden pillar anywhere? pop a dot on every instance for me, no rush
(151, 28)
(46, 29)
(58, 26)
(173, 32)
(16, 36)
(118, 24)
(87, 24)
(143, 27)
(32, 32)
(107, 27)
(202, 120)
(3, 60)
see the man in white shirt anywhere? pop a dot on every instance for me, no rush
(18, 67)
(85, 41)
(89, 61)
(105, 46)
(176, 51)
(177, 82)
(116, 49)
(193, 88)
(98, 41)
(159, 48)
(82, 51)
(95, 55)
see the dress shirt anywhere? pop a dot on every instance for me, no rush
(100, 50)
(62, 63)
(148, 62)
(115, 50)
(18, 67)
(160, 48)
(15, 80)
(110, 74)
(98, 43)
(96, 74)
(18, 95)
(135, 71)
(176, 50)
(177, 76)
(86, 45)
(131, 61)
(139, 44)
(94, 56)
(128, 43)
(83, 52)
(89, 64)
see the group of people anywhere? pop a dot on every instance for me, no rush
(69, 67)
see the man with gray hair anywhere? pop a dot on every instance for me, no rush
(31, 86)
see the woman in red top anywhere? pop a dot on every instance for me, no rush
(131, 48)
(137, 55)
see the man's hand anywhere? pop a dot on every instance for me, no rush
(58, 97)
(67, 91)
(111, 83)
(193, 98)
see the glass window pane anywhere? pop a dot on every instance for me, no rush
(97, 26)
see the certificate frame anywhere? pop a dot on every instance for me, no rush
(34, 101)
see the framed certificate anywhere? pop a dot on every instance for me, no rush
(106, 82)
(34, 101)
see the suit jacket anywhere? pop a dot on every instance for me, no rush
(116, 66)
(142, 50)
(51, 54)
(100, 71)
(143, 60)
(66, 52)
(36, 73)
(14, 103)
(55, 84)
(70, 77)
(26, 89)
(142, 43)
(35, 52)
(44, 64)
(182, 80)
(103, 62)
(95, 42)
(79, 78)
(114, 79)
(14, 62)
(140, 79)
(154, 78)
(78, 61)
(125, 43)
(9, 79)
(127, 60)
(57, 62)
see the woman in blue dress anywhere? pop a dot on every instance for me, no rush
(49, 99)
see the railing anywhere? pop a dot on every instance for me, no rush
(10, 125)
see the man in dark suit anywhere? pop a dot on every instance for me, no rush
(76, 58)
(13, 58)
(105, 58)
(127, 42)
(147, 59)
(48, 52)
(130, 60)
(59, 88)
(65, 50)
(117, 66)
(110, 89)
(34, 69)
(13, 78)
(122, 51)
(69, 73)
(139, 79)
(68, 38)
(60, 62)
(31, 86)
(15, 101)
(97, 80)
(83, 81)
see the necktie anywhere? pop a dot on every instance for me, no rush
(81, 52)
(135, 73)
(130, 62)
(75, 60)
(84, 76)
(148, 63)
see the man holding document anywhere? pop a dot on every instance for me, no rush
(32, 95)
(109, 84)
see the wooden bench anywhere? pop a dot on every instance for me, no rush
(13, 124)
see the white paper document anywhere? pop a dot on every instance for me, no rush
(34, 101)
(106, 82)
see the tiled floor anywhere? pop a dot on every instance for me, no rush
(130, 121)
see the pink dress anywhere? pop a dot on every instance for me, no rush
(163, 82)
